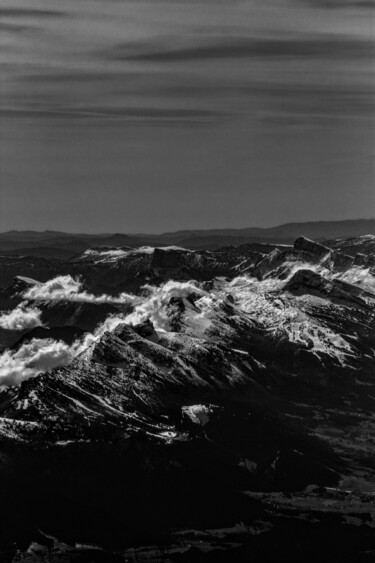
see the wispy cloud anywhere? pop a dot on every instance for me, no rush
(17, 12)
(236, 47)
(66, 288)
(122, 113)
(13, 27)
(343, 4)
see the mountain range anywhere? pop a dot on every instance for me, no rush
(172, 404)
(59, 245)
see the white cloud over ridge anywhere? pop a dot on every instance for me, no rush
(31, 358)
(66, 288)
(153, 306)
(21, 318)
(43, 354)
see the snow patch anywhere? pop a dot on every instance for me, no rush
(199, 414)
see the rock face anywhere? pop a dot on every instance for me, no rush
(315, 252)
(318, 251)
(276, 259)
(85, 316)
(340, 262)
(12, 295)
(279, 263)
(308, 281)
(146, 330)
(28, 266)
(254, 390)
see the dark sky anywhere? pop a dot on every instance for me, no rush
(158, 115)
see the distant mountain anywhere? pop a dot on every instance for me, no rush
(313, 229)
(48, 252)
(34, 244)
(59, 245)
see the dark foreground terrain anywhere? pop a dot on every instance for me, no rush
(180, 405)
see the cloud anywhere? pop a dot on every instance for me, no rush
(154, 306)
(14, 12)
(317, 100)
(32, 358)
(342, 4)
(342, 47)
(185, 115)
(74, 76)
(13, 27)
(66, 288)
(151, 305)
(41, 355)
(21, 318)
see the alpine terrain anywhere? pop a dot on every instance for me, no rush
(161, 403)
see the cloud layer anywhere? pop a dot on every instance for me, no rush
(41, 355)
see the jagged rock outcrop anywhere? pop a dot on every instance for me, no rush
(304, 281)
(12, 295)
(146, 330)
(338, 262)
(310, 247)
(315, 252)
(277, 262)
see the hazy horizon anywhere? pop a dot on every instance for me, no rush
(217, 228)
(156, 116)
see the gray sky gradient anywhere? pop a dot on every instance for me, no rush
(158, 115)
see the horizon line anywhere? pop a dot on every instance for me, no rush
(135, 234)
